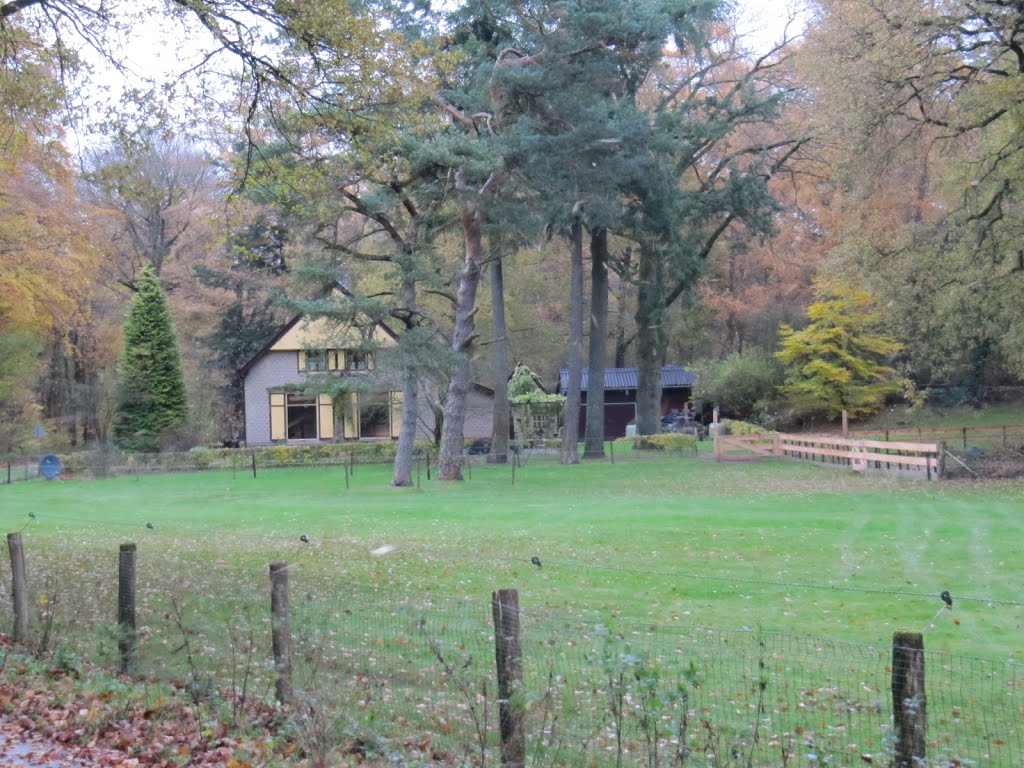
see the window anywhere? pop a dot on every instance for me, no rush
(358, 360)
(316, 360)
(539, 423)
(374, 416)
(302, 417)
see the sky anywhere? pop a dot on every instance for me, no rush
(163, 48)
(155, 53)
(766, 20)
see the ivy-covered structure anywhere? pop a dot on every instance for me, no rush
(536, 414)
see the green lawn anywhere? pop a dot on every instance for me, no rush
(931, 416)
(674, 540)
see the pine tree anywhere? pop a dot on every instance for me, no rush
(152, 389)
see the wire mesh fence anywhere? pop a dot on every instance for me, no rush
(403, 672)
(956, 438)
(348, 457)
(968, 443)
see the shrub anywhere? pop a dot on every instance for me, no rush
(670, 441)
(740, 384)
(200, 456)
(734, 427)
(110, 460)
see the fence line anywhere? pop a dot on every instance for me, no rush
(346, 456)
(1003, 435)
(418, 670)
(907, 458)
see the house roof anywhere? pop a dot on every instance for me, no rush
(672, 377)
(284, 331)
(291, 324)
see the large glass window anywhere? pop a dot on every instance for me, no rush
(374, 417)
(302, 417)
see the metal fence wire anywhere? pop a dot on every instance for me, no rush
(413, 674)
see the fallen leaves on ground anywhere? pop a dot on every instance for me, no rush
(54, 720)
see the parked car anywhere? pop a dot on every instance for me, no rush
(676, 421)
(479, 448)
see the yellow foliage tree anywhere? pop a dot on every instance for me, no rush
(836, 362)
(46, 259)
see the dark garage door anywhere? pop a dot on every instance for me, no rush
(616, 417)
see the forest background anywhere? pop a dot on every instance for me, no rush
(566, 184)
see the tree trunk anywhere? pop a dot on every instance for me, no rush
(571, 421)
(598, 360)
(438, 409)
(622, 341)
(449, 460)
(650, 343)
(499, 428)
(402, 473)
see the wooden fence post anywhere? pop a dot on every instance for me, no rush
(909, 704)
(126, 580)
(509, 657)
(19, 587)
(280, 630)
(715, 426)
(846, 423)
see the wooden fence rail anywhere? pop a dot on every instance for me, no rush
(915, 459)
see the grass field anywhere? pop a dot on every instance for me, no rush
(761, 597)
(990, 415)
(774, 545)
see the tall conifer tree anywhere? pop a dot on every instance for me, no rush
(152, 389)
